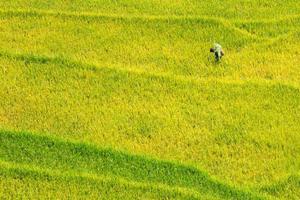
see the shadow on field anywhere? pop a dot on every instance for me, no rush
(55, 154)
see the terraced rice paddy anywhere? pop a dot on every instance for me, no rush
(122, 99)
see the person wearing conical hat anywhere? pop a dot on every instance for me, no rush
(218, 52)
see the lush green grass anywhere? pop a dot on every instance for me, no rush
(137, 77)
(285, 189)
(32, 183)
(52, 154)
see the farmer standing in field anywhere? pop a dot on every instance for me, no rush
(217, 50)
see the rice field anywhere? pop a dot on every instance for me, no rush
(123, 100)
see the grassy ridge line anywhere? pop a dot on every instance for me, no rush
(69, 63)
(12, 170)
(279, 189)
(273, 41)
(57, 154)
(270, 29)
(224, 22)
(269, 21)
(233, 25)
(38, 13)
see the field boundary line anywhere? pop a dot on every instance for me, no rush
(70, 63)
(146, 16)
(98, 178)
(226, 23)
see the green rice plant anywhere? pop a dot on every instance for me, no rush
(123, 100)
(64, 156)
